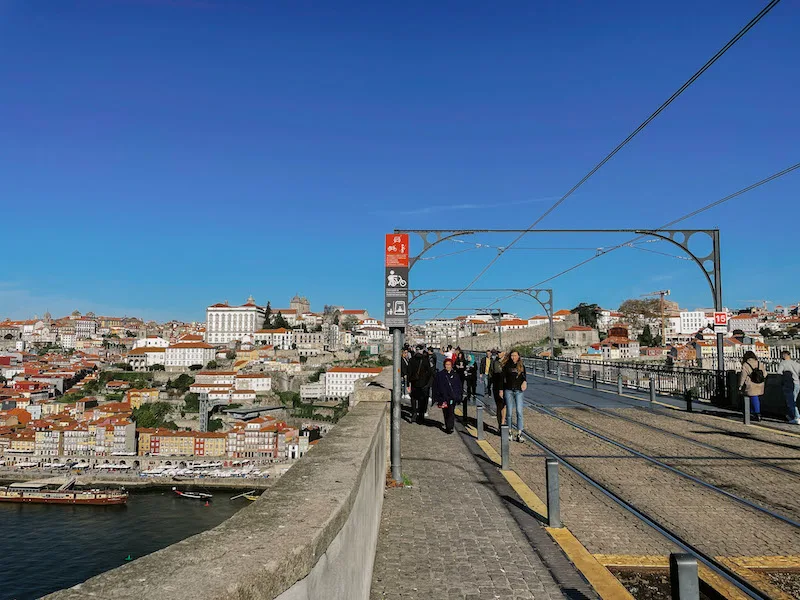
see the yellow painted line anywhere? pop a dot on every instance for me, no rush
(472, 431)
(768, 562)
(623, 561)
(527, 494)
(601, 579)
(759, 580)
(489, 451)
(628, 561)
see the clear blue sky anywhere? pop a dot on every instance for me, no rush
(157, 156)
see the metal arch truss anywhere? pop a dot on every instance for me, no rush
(709, 264)
(544, 296)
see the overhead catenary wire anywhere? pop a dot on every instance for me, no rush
(689, 215)
(761, 14)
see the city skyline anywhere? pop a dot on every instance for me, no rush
(181, 153)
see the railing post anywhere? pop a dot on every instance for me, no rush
(594, 380)
(479, 419)
(746, 409)
(504, 447)
(683, 577)
(558, 371)
(553, 499)
(652, 392)
(688, 395)
(619, 382)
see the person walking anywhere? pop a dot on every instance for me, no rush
(485, 367)
(514, 385)
(471, 378)
(419, 380)
(460, 366)
(790, 370)
(497, 387)
(447, 392)
(751, 382)
(406, 357)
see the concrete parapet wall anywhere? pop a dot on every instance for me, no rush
(311, 535)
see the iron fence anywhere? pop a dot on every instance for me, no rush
(702, 384)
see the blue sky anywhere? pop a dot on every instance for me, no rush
(157, 156)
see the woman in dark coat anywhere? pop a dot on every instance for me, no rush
(447, 390)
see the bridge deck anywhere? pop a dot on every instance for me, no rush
(459, 532)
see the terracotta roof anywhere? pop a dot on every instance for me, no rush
(182, 345)
(579, 328)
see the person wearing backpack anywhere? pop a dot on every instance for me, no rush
(419, 379)
(751, 382)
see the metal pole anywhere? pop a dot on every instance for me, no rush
(619, 382)
(552, 329)
(479, 419)
(504, 447)
(718, 298)
(746, 408)
(553, 500)
(652, 391)
(575, 368)
(500, 329)
(683, 578)
(558, 371)
(397, 348)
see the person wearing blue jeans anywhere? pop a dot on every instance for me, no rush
(751, 381)
(514, 385)
(790, 371)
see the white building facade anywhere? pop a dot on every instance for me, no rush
(339, 381)
(225, 323)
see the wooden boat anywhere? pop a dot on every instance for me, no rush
(38, 493)
(192, 495)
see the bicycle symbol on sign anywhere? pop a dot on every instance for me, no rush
(394, 280)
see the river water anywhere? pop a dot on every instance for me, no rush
(45, 547)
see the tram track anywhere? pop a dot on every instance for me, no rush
(705, 552)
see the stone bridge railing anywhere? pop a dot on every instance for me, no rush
(311, 535)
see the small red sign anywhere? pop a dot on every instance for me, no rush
(720, 318)
(396, 249)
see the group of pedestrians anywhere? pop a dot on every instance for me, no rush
(503, 375)
(752, 382)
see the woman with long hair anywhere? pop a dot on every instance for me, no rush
(751, 381)
(514, 385)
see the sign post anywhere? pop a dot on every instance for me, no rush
(395, 283)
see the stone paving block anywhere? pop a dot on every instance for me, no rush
(450, 535)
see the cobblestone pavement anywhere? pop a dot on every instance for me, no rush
(715, 524)
(450, 535)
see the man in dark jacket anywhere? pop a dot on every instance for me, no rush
(419, 381)
(447, 390)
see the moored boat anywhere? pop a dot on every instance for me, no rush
(38, 493)
(192, 495)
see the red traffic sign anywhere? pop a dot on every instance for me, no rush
(396, 249)
(720, 318)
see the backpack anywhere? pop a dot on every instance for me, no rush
(757, 375)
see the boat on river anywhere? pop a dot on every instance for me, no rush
(192, 495)
(40, 492)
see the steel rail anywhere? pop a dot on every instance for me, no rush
(757, 461)
(709, 561)
(664, 465)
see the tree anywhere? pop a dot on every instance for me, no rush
(215, 424)
(191, 403)
(158, 368)
(587, 314)
(153, 414)
(212, 364)
(268, 316)
(638, 311)
(182, 383)
(122, 366)
(349, 322)
(279, 322)
(230, 354)
(767, 332)
(646, 337)
(195, 367)
(8, 336)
